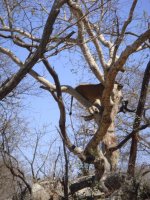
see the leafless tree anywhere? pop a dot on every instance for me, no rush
(106, 41)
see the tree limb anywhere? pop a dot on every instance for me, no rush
(137, 121)
(131, 49)
(126, 23)
(30, 62)
(62, 120)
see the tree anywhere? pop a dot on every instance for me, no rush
(105, 38)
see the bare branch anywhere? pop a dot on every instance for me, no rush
(139, 112)
(79, 14)
(130, 49)
(127, 138)
(62, 120)
(2, 21)
(15, 170)
(87, 54)
(137, 121)
(146, 44)
(20, 31)
(12, 56)
(45, 82)
(101, 37)
(127, 22)
(15, 80)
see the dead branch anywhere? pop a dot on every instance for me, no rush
(137, 121)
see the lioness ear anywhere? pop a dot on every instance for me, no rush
(120, 86)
